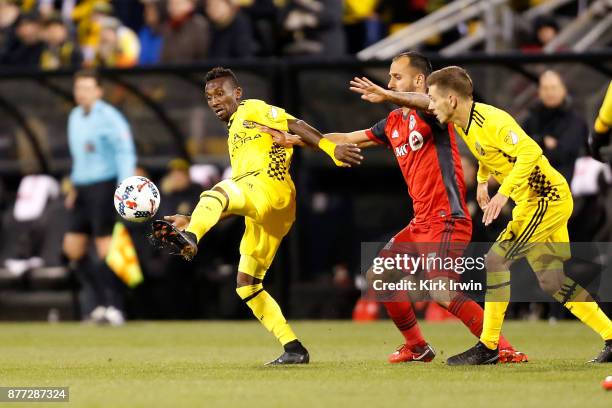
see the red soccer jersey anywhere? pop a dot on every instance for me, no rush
(428, 156)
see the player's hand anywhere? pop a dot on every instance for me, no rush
(482, 195)
(348, 154)
(492, 210)
(281, 137)
(369, 90)
(178, 220)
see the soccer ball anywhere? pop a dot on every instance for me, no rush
(137, 199)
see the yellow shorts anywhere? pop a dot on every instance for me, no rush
(538, 228)
(269, 212)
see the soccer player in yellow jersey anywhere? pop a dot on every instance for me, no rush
(603, 125)
(261, 190)
(538, 229)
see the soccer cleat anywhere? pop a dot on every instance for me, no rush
(406, 354)
(605, 355)
(291, 358)
(166, 235)
(477, 355)
(510, 355)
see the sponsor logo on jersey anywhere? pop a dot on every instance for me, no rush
(248, 124)
(412, 123)
(511, 138)
(395, 134)
(240, 139)
(416, 140)
(479, 149)
(402, 150)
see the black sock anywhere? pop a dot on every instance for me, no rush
(294, 347)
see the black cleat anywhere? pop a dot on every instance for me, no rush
(605, 355)
(166, 235)
(291, 358)
(294, 353)
(477, 355)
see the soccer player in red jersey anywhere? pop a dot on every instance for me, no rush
(429, 159)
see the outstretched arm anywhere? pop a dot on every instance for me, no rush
(373, 93)
(342, 154)
(359, 137)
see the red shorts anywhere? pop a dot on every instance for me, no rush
(439, 238)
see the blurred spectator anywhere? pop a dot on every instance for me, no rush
(150, 36)
(361, 24)
(231, 30)
(314, 27)
(559, 130)
(264, 18)
(33, 195)
(26, 47)
(59, 51)
(545, 29)
(88, 15)
(186, 34)
(180, 193)
(119, 46)
(9, 14)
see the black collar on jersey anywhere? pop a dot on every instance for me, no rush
(471, 116)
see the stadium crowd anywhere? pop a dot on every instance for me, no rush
(54, 34)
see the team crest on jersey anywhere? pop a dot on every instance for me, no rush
(479, 149)
(395, 134)
(511, 138)
(416, 140)
(273, 114)
(412, 123)
(248, 124)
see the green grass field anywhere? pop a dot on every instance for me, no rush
(220, 364)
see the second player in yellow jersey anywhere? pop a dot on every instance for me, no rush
(538, 229)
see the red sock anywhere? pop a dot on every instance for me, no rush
(405, 320)
(472, 315)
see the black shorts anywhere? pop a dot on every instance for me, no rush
(94, 211)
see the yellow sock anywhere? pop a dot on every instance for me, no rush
(207, 213)
(496, 303)
(268, 312)
(578, 301)
(591, 315)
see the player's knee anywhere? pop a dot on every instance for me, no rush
(243, 279)
(495, 262)
(215, 196)
(232, 194)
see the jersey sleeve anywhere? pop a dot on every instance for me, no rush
(604, 119)
(512, 140)
(377, 132)
(272, 116)
(483, 173)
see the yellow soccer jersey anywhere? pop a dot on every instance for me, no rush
(252, 152)
(604, 119)
(515, 160)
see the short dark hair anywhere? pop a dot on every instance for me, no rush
(452, 78)
(417, 60)
(220, 72)
(89, 73)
